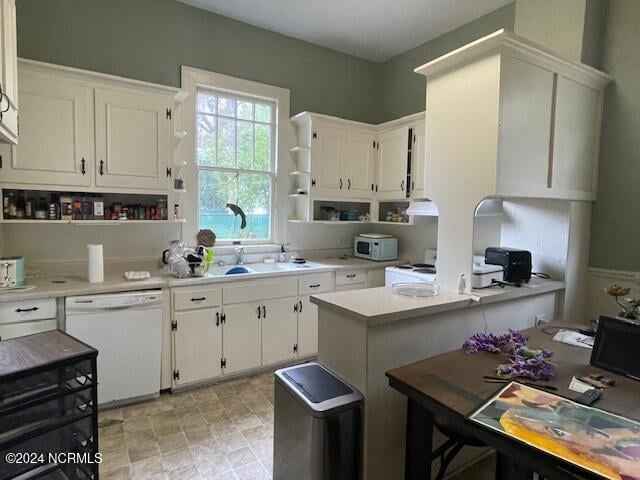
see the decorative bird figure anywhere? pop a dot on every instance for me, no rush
(238, 211)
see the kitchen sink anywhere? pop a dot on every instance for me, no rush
(258, 268)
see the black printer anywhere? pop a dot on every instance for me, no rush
(516, 263)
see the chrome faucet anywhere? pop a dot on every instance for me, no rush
(239, 255)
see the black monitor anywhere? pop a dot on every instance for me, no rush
(617, 346)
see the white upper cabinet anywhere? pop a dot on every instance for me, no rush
(328, 153)
(88, 130)
(392, 164)
(508, 118)
(56, 146)
(358, 169)
(8, 73)
(132, 139)
(417, 160)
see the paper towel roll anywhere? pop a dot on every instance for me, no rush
(96, 264)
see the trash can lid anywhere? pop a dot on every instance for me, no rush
(320, 389)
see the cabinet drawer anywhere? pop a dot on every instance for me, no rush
(28, 310)
(315, 284)
(352, 286)
(15, 330)
(349, 277)
(277, 287)
(192, 298)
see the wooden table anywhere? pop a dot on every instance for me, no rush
(451, 386)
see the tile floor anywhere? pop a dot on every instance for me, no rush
(222, 432)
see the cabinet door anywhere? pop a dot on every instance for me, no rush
(132, 139)
(392, 164)
(328, 151)
(526, 103)
(279, 329)
(307, 327)
(197, 345)
(359, 164)
(576, 138)
(56, 133)
(241, 337)
(8, 72)
(418, 160)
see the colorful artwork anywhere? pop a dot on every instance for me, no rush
(598, 441)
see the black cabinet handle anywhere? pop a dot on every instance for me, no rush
(21, 310)
(101, 170)
(351, 275)
(217, 319)
(340, 184)
(259, 312)
(82, 166)
(402, 185)
(264, 311)
(372, 187)
(300, 306)
(198, 299)
(348, 184)
(315, 285)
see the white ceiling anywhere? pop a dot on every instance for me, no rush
(372, 29)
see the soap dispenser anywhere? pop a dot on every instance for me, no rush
(283, 255)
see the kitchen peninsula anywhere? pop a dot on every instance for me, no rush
(364, 333)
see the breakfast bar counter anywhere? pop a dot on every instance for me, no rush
(364, 333)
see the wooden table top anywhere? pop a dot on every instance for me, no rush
(24, 353)
(454, 380)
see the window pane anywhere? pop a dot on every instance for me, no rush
(263, 112)
(263, 147)
(245, 145)
(226, 107)
(206, 103)
(226, 143)
(254, 197)
(206, 140)
(245, 110)
(216, 190)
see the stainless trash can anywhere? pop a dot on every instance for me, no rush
(317, 426)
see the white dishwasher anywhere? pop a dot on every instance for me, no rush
(126, 329)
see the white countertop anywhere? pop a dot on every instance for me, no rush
(381, 305)
(72, 285)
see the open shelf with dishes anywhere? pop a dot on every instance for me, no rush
(393, 212)
(56, 207)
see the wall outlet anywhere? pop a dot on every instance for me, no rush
(541, 319)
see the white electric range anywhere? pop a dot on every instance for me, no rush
(413, 272)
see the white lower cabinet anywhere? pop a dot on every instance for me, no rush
(279, 329)
(197, 345)
(307, 327)
(241, 337)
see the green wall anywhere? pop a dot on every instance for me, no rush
(150, 39)
(615, 232)
(403, 91)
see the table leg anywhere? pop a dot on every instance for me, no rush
(508, 470)
(417, 463)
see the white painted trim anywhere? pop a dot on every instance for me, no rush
(192, 79)
(91, 76)
(624, 275)
(509, 41)
(414, 117)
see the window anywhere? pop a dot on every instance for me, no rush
(235, 161)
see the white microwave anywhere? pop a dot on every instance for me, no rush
(378, 249)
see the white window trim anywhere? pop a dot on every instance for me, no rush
(192, 79)
(272, 164)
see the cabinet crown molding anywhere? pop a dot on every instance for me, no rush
(504, 41)
(105, 78)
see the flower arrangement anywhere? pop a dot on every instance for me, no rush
(630, 306)
(524, 362)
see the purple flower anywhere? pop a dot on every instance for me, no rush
(525, 362)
